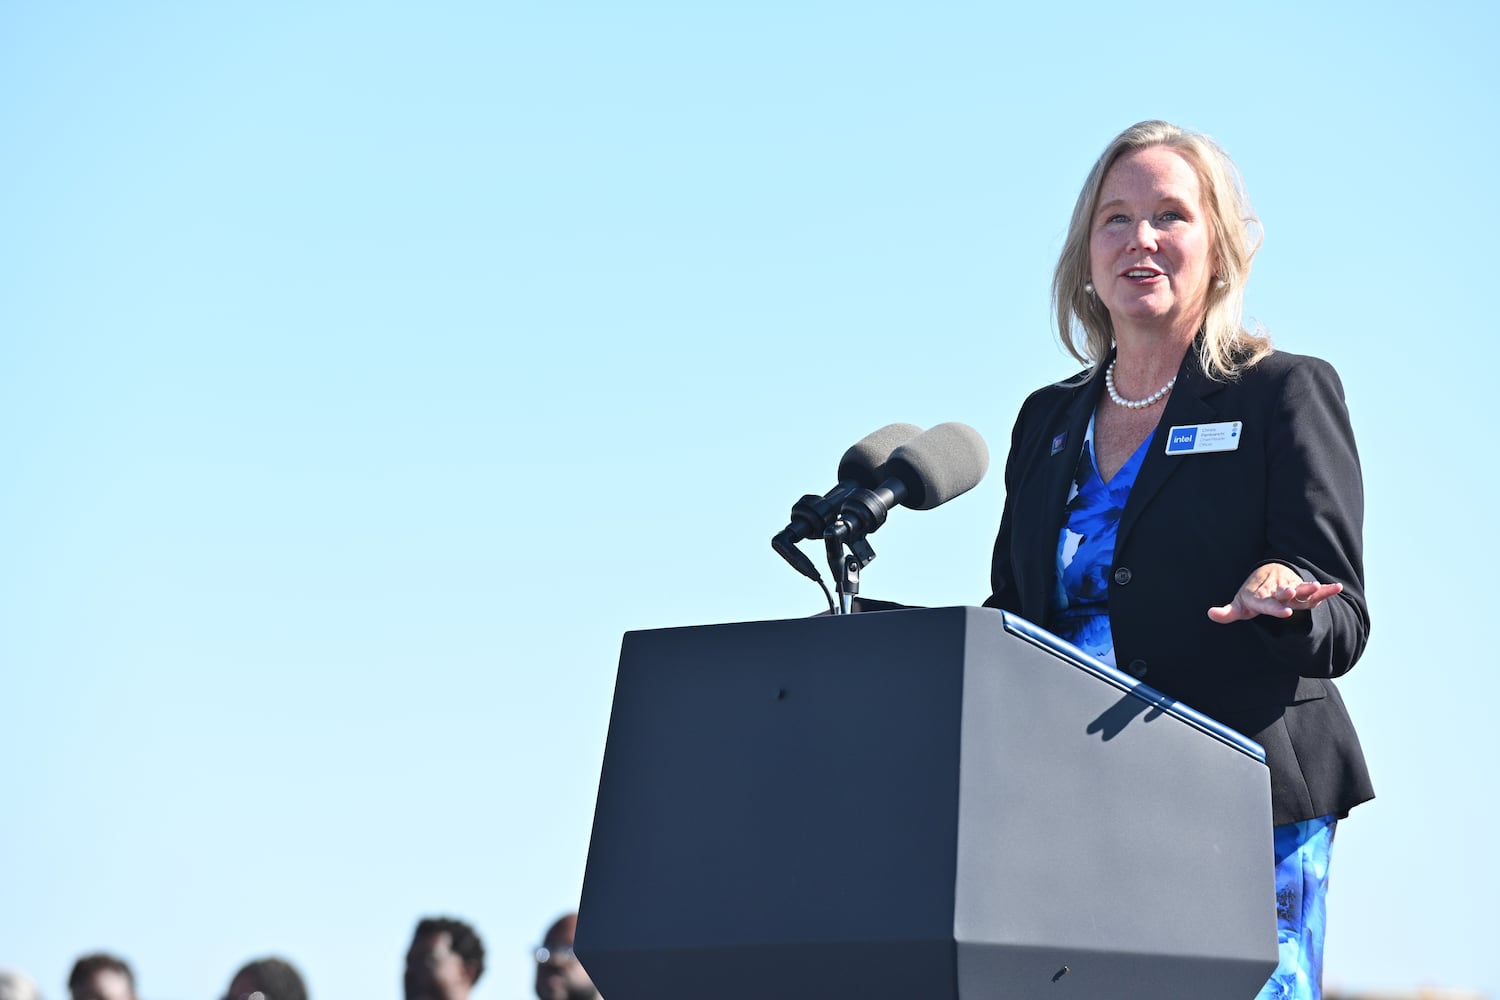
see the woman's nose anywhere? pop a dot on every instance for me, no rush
(1143, 237)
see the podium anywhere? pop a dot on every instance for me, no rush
(943, 803)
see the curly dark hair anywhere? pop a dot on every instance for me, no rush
(465, 940)
(85, 968)
(277, 978)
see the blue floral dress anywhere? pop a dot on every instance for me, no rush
(1086, 547)
(1079, 613)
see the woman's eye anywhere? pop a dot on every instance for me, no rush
(1171, 217)
(1117, 217)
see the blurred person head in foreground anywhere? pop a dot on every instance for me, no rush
(101, 976)
(445, 960)
(559, 974)
(267, 979)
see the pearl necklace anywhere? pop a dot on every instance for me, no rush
(1133, 404)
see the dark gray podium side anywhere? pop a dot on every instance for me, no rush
(917, 804)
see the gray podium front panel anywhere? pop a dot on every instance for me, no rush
(924, 803)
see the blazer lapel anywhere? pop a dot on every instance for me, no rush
(1188, 405)
(1056, 473)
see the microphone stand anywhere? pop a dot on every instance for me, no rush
(845, 567)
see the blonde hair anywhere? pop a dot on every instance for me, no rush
(1225, 347)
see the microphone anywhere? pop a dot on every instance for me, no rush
(862, 466)
(932, 468)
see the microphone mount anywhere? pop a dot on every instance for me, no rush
(844, 566)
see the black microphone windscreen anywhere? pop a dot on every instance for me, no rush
(939, 464)
(863, 461)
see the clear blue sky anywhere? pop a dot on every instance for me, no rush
(366, 369)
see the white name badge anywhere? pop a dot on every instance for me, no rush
(1199, 439)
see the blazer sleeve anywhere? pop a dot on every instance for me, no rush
(1010, 585)
(1005, 594)
(1315, 519)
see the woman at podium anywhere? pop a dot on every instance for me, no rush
(1189, 507)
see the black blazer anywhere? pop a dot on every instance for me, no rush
(1192, 530)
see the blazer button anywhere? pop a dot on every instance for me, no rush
(1137, 669)
(1122, 576)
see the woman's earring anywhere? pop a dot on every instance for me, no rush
(1088, 286)
(1220, 281)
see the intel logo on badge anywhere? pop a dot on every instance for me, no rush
(1182, 439)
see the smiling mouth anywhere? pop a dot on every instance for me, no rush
(1140, 272)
